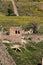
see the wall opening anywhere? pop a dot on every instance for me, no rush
(16, 32)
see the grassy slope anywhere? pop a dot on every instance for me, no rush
(11, 21)
(29, 8)
(25, 7)
(30, 56)
(4, 7)
(21, 19)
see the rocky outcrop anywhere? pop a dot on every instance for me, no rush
(5, 58)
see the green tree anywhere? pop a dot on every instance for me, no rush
(32, 25)
(10, 10)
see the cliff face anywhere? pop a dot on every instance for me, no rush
(5, 58)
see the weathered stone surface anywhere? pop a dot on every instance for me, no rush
(15, 34)
(5, 58)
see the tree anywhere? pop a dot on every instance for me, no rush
(34, 26)
(10, 10)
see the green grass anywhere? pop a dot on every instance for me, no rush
(30, 56)
(8, 21)
(21, 19)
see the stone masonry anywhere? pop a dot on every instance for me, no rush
(15, 34)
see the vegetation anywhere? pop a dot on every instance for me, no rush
(25, 7)
(29, 7)
(10, 10)
(6, 8)
(6, 21)
(31, 55)
(32, 25)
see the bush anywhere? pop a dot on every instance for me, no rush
(32, 25)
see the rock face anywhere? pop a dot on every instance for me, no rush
(5, 58)
(16, 34)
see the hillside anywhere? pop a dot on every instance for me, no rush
(4, 6)
(8, 21)
(29, 15)
(31, 54)
(24, 7)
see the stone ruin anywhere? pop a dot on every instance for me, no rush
(15, 34)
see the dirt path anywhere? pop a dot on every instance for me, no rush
(5, 58)
(15, 8)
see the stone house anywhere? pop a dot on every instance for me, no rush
(15, 34)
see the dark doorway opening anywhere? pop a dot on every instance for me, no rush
(16, 32)
(16, 49)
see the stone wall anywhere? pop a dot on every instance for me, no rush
(16, 34)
